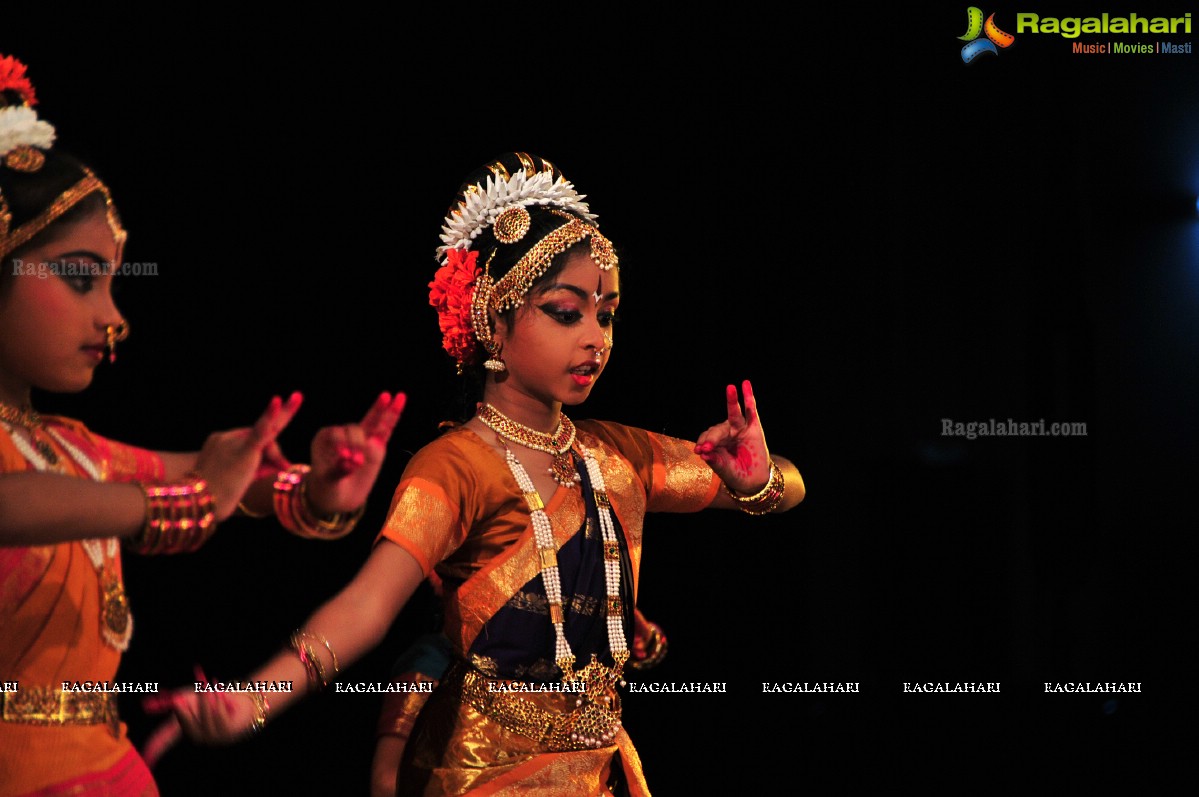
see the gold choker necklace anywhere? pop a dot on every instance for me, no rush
(559, 443)
(31, 421)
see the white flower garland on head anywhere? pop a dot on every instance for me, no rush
(481, 208)
(20, 127)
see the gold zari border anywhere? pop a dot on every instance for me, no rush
(45, 705)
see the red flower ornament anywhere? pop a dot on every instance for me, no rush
(12, 78)
(450, 293)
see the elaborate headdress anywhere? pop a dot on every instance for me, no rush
(494, 212)
(24, 141)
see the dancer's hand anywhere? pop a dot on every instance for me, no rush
(642, 628)
(206, 718)
(736, 448)
(231, 460)
(346, 459)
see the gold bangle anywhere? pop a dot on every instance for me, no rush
(765, 500)
(295, 512)
(310, 660)
(656, 646)
(180, 517)
(247, 512)
(261, 710)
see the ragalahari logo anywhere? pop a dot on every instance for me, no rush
(974, 27)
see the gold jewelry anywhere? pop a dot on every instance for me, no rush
(593, 721)
(247, 512)
(116, 623)
(295, 512)
(655, 649)
(25, 138)
(606, 348)
(261, 710)
(115, 618)
(479, 204)
(543, 534)
(29, 420)
(512, 225)
(502, 203)
(558, 443)
(180, 517)
(10, 240)
(495, 363)
(49, 705)
(310, 660)
(510, 290)
(25, 159)
(114, 334)
(765, 500)
(480, 320)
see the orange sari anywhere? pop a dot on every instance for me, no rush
(458, 508)
(62, 618)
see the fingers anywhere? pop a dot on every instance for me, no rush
(343, 445)
(376, 410)
(713, 451)
(381, 418)
(272, 462)
(203, 717)
(352, 455)
(206, 716)
(159, 704)
(736, 418)
(278, 414)
(272, 457)
(704, 445)
(751, 404)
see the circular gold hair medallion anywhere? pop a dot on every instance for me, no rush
(512, 225)
(25, 159)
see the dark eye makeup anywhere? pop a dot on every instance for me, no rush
(563, 315)
(569, 315)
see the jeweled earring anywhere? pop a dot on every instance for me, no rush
(114, 334)
(495, 363)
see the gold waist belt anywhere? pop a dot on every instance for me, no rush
(46, 705)
(592, 719)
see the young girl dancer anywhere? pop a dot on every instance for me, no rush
(532, 521)
(69, 499)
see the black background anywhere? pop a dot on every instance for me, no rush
(831, 204)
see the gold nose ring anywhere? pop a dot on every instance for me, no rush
(114, 334)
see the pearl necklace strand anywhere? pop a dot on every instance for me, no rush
(97, 550)
(550, 577)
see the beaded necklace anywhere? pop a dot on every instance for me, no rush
(31, 421)
(544, 535)
(558, 443)
(116, 623)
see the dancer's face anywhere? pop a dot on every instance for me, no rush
(54, 310)
(551, 347)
